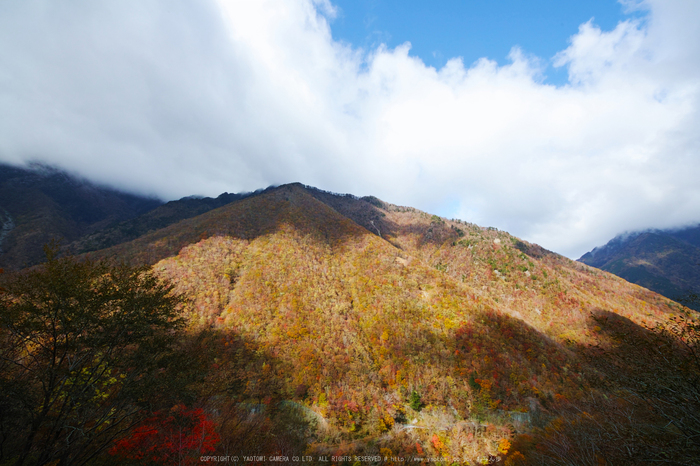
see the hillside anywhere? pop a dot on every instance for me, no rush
(160, 217)
(40, 203)
(401, 330)
(667, 262)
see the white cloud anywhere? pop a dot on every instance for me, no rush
(176, 97)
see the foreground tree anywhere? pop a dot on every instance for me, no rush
(87, 350)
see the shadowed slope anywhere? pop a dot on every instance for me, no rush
(40, 203)
(160, 217)
(245, 219)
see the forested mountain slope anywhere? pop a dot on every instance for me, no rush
(411, 333)
(40, 203)
(160, 217)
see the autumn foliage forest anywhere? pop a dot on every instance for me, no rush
(310, 323)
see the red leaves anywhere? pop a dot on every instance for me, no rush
(178, 437)
(419, 449)
(437, 443)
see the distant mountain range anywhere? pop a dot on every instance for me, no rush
(40, 203)
(665, 261)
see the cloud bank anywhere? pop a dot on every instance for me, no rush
(173, 98)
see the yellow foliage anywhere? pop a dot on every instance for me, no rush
(388, 421)
(503, 446)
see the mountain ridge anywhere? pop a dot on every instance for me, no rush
(666, 261)
(39, 203)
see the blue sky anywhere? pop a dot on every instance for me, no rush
(174, 98)
(472, 29)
